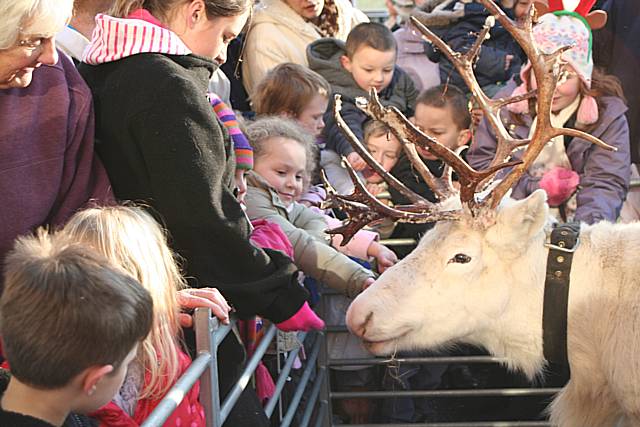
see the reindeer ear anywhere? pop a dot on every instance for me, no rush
(524, 218)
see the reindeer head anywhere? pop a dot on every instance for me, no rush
(459, 279)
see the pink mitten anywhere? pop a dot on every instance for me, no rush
(304, 320)
(559, 183)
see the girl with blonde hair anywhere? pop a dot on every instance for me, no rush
(132, 239)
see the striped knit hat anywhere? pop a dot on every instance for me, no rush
(241, 146)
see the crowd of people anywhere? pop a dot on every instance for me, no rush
(142, 177)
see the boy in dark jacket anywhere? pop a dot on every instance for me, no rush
(500, 56)
(367, 60)
(71, 323)
(441, 113)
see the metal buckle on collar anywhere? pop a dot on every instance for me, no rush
(562, 248)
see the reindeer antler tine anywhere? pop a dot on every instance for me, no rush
(366, 156)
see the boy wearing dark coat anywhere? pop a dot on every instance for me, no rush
(71, 324)
(367, 60)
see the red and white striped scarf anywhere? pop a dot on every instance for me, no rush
(140, 32)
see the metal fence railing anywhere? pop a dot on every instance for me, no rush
(209, 335)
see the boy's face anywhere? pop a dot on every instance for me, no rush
(438, 123)
(521, 8)
(311, 116)
(370, 68)
(283, 166)
(385, 149)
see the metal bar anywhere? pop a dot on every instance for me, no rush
(295, 400)
(245, 377)
(399, 242)
(323, 410)
(282, 378)
(505, 392)
(315, 392)
(177, 393)
(417, 360)
(465, 424)
(209, 389)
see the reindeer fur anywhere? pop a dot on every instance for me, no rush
(495, 300)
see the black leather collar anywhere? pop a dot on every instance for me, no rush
(564, 242)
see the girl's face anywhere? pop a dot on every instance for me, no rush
(283, 166)
(566, 92)
(386, 150)
(310, 117)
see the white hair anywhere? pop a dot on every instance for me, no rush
(43, 18)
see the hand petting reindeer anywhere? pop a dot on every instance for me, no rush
(479, 275)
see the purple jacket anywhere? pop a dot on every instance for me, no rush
(47, 166)
(604, 175)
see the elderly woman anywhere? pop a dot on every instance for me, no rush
(47, 164)
(281, 30)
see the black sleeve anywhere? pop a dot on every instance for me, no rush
(189, 163)
(334, 137)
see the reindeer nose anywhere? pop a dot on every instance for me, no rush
(358, 323)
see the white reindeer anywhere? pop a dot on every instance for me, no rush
(483, 285)
(478, 276)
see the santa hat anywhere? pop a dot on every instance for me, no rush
(555, 30)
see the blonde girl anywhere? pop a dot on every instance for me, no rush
(131, 238)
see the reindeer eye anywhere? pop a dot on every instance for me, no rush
(460, 259)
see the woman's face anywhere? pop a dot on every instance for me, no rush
(307, 9)
(18, 62)
(208, 37)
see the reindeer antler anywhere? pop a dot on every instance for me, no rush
(546, 70)
(363, 208)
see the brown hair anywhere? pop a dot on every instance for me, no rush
(288, 88)
(373, 128)
(376, 36)
(602, 84)
(450, 96)
(65, 308)
(162, 9)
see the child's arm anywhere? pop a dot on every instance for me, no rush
(313, 255)
(604, 181)
(334, 137)
(358, 247)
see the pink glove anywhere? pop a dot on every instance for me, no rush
(304, 320)
(559, 183)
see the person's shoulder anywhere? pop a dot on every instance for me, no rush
(613, 105)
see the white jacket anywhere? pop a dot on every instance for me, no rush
(278, 34)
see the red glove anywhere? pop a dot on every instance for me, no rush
(304, 320)
(560, 184)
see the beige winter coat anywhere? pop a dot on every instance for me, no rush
(278, 34)
(306, 232)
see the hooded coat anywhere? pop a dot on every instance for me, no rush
(305, 229)
(278, 34)
(324, 58)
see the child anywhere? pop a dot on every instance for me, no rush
(385, 148)
(131, 238)
(71, 323)
(441, 113)
(281, 149)
(584, 99)
(500, 56)
(367, 60)
(293, 91)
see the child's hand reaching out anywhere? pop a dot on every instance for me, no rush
(356, 161)
(384, 256)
